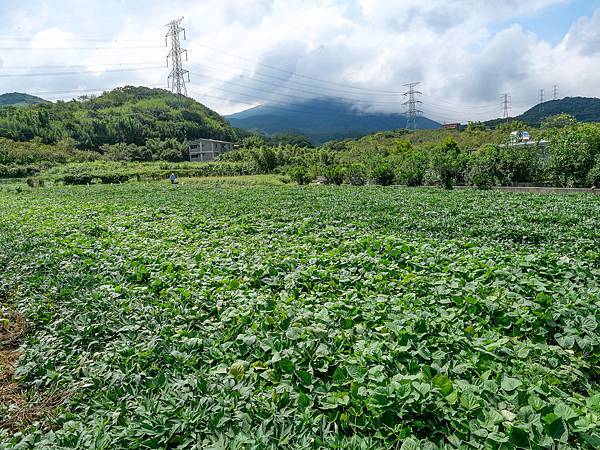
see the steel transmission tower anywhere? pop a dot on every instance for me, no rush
(412, 111)
(176, 80)
(542, 99)
(555, 92)
(506, 104)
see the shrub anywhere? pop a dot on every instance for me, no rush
(114, 178)
(482, 172)
(77, 179)
(572, 154)
(299, 174)
(356, 175)
(593, 178)
(334, 174)
(410, 168)
(265, 159)
(382, 173)
(447, 163)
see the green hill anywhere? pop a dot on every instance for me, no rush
(19, 99)
(129, 114)
(321, 120)
(584, 109)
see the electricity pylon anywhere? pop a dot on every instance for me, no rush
(176, 79)
(506, 104)
(412, 111)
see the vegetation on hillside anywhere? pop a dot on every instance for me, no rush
(19, 99)
(130, 115)
(477, 156)
(584, 109)
(145, 125)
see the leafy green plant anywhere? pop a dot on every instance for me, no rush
(334, 174)
(299, 174)
(356, 174)
(382, 172)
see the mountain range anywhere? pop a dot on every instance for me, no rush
(321, 120)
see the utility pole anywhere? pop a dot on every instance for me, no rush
(412, 111)
(542, 99)
(506, 104)
(176, 80)
(555, 92)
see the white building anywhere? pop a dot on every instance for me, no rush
(204, 150)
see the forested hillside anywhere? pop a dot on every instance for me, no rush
(584, 109)
(19, 99)
(131, 115)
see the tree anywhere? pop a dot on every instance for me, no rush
(253, 141)
(299, 174)
(382, 172)
(446, 162)
(559, 121)
(476, 126)
(572, 155)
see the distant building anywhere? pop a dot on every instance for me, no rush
(204, 150)
(451, 126)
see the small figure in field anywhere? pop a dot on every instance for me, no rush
(172, 178)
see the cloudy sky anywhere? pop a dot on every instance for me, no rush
(465, 53)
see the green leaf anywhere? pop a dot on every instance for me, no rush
(557, 430)
(356, 372)
(377, 373)
(303, 400)
(305, 377)
(520, 437)
(410, 444)
(469, 400)
(589, 324)
(422, 388)
(535, 402)
(564, 411)
(510, 384)
(592, 439)
(286, 365)
(443, 383)
(339, 376)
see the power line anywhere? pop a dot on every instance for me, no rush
(78, 72)
(284, 106)
(555, 92)
(79, 48)
(71, 91)
(285, 80)
(412, 103)
(311, 93)
(31, 39)
(71, 66)
(542, 99)
(292, 72)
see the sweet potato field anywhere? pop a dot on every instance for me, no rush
(300, 318)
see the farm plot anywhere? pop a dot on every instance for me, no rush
(285, 317)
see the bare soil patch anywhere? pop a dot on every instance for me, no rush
(19, 407)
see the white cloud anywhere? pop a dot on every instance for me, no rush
(453, 47)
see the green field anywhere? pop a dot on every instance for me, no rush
(231, 317)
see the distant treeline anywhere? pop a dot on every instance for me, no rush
(446, 158)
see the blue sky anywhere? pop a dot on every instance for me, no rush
(552, 23)
(466, 53)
